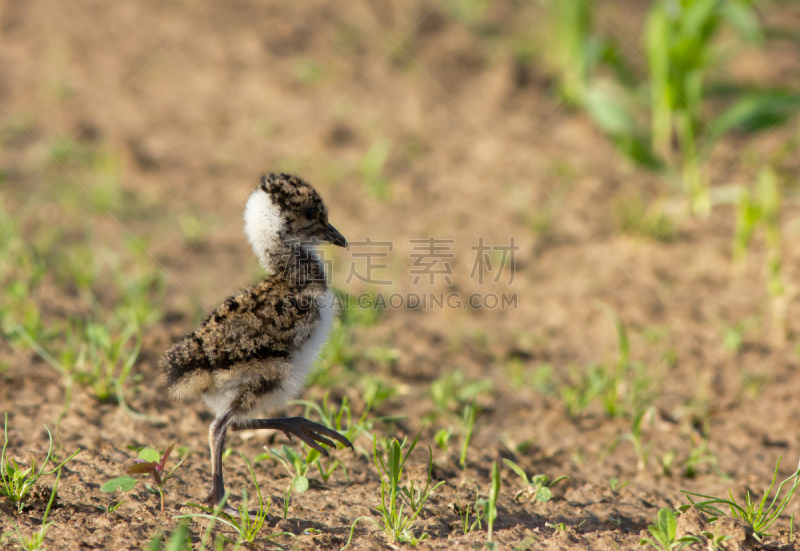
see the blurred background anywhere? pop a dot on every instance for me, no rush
(642, 155)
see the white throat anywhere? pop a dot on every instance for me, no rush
(263, 225)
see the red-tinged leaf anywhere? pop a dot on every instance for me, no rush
(157, 476)
(164, 458)
(142, 468)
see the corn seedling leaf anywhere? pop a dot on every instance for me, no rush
(517, 469)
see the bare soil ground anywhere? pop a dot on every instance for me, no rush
(193, 101)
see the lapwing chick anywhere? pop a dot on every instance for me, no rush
(252, 354)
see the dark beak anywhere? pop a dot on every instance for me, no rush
(333, 236)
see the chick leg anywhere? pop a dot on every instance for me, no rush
(307, 431)
(216, 441)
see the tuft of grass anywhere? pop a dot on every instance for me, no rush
(477, 508)
(623, 389)
(16, 481)
(758, 514)
(248, 525)
(536, 487)
(664, 531)
(97, 356)
(36, 541)
(680, 47)
(96, 349)
(400, 505)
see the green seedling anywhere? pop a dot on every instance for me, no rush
(491, 506)
(111, 508)
(715, 541)
(616, 486)
(142, 290)
(287, 499)
(385, 357)
(537, 487)
(641, 449)
(637, 219)
(295, 464)
(179, 540)
(451, 392)
(758, 514)
(442, 438)
(376, 392)
(468, 420)
(733, 337)
(664, 531)
(330, 466)
(575, 53)
(700, 455)
(215, 513)
(226, 453)
(623, 388)
(478, 508)
(626, 385)
(371, 169)
(400, 505)
(761, 209)
(36, 541)
(679, 41)
(666, 462)
(571, 22)
(149, 462)
(16, 482)
(581, 388)
(249, 524)
(93, 355)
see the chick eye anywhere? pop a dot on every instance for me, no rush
(310, 213)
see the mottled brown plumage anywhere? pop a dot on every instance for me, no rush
(253, 352)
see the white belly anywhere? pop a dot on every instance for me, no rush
(303, 360)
